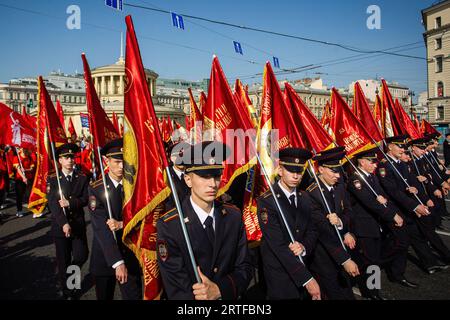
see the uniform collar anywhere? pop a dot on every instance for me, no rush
(202, 214)
(395, 160)
(177, 172)
(115, 183)
(286, 192)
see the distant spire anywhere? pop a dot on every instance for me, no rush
(121, 59)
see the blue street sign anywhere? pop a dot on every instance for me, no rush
(116, 4)
(276, 62)
(237, 47)
(177, 21)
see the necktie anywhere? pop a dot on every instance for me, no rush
(69, 178)
(209, 229)
(332, 192)
(292, 200)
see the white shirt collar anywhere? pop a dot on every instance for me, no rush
(287, 193)
(395, 160)
(116, 183)
(326, 185)
(364, 171)
(202, 214)
(178, 172)
(69, 174)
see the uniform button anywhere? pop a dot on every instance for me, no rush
(297, 230)
(215, 270)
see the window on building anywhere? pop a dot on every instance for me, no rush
(440, 89)
(438, 22)
(438, 64)
(440, 113)
(438, 43)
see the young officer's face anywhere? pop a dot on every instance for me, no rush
(290, 179)
(115, 167)
(329, 176)
(66, 163)
(204, 188)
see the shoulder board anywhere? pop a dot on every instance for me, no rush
(311, 187)
(170, 215)
(266, 194)
(96, 183)
(53, 175)
(383, 160)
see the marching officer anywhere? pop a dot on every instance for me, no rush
(373, 214)
(68, 223)
(286, 277)
(176, 152)
(417, 215)
(330, 258)
(111, 260)
(24, 167)
(216, 232)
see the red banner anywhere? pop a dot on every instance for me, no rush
(406, 122)
(16, 130)
(71, 130)
(60, 113)
(100, 126)
(231, 125)
(145, 160)
(427, 128)
(313, 135)
(362, 111)
(346, 128)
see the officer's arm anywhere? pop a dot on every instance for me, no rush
(273, 235)
(53, 198)
(105, 236)
(367, 199)
(311, 234)
(81, 201)
(346, 215)
(397, 192)
(174, 272)
(327, 233)
(234, 284)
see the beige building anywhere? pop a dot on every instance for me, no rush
(436, 21)
(70, 90)
(371, 87)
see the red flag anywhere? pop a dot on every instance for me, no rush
(427, 128)
(169, 125)
(202, 102)
(362, 111)
(32, 121)
(390, 109)
(242, 95)
(229, 124)
(417, 123)
(313, 135)
(326, 116)
(56, 132)
(115, 122)
(144, 155)
(195, 118)
(275, 115)
(60, 113)
(71, 129)
(100, 126)
(346, 128)
(49, 129)
(187, 122)
(407, 124)
(16, 130)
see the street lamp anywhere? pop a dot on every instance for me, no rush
(411, 95)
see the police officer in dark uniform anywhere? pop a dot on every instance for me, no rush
(111, 260)
(431, 182)
(372, 215)
(286, 277)
(330, 259)
(216, 233)
(176, 153)
(68, 223)
(417, 215)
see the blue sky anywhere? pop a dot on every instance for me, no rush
(34, 44)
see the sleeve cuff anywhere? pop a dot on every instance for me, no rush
(341, 225)
(345, 261)
(118, 263)
(308, 281)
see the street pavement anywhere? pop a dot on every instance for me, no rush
(28, 266)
